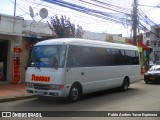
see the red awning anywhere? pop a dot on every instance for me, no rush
(140, 44)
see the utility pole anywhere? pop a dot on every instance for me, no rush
(15, 2)
(135, 21)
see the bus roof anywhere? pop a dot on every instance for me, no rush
(85, 42)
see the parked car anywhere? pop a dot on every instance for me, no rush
(157, 63)
(153, 74)
(151, 64)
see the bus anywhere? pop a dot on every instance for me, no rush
(71, 67)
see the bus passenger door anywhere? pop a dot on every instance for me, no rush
(74, 74)
(74, 69)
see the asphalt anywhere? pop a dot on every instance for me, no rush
(12, 92)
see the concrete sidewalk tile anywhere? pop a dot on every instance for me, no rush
(12, 92)
(14, 98)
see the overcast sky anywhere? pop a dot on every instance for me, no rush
(87, 22)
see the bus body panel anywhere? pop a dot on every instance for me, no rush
(54, 77)
(92, 79)
(102, 78)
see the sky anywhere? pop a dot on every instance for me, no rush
(87, 22)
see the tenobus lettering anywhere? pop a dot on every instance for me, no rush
(40, 78)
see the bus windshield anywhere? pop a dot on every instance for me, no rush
(47, 56)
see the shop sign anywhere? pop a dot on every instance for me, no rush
(116, 38)
(120, 39)
(17, 50)
(16, 64)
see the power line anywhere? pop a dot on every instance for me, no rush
(119, 15)
(103, 15)
(150, 6)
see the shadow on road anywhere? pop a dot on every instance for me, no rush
(95, 95)
(153, 83)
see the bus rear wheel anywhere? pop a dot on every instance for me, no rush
(125, 84)
(75, 93)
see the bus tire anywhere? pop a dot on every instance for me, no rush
(75, 93)
(125, 84)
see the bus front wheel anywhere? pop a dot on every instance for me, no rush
(125, 84)
(74, 94)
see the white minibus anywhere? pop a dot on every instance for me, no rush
(71, 67)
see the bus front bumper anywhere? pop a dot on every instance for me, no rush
(49, 93)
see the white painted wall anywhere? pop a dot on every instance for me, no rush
(18, 26)
(38, 28)
(94, 36)
(10, 25)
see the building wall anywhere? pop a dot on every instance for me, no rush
(16, 31)
(94, 36)
(155, 43)
(10, 25)
(39, 29)
(24, 57)
(104, 37)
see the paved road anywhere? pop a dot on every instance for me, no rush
(139, 97)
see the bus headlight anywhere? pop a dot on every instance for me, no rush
(29, 85)
(56, 87)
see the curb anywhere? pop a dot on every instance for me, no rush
(14, 98)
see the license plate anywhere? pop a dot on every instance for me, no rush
(152, 78)
(40, 92)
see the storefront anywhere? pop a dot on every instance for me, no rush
(17, 37)
(3, 59)
(7, 57)
(144, 56)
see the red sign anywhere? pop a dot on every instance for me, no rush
(17, 50)
(16, 68)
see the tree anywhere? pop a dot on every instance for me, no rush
(63, 28)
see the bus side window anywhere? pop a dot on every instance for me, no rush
(116, 54)
(130, 57)
(74, 56)
(87, 56)
(137, 57)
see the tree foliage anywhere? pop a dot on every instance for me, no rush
(63, 28)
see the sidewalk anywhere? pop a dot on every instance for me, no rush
(142, 76)
(10, 92)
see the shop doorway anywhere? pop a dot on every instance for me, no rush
(3, 60)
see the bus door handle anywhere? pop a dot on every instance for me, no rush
(82, 73)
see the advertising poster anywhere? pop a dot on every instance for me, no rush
(16, 67)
